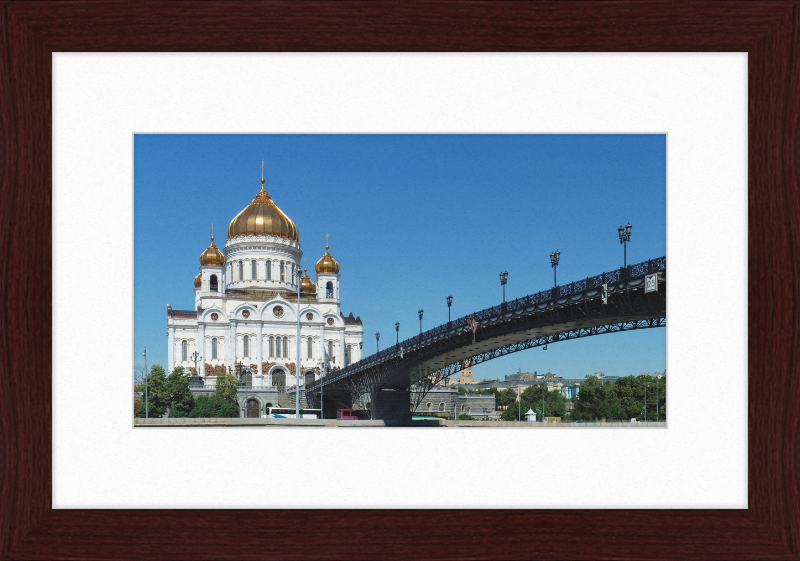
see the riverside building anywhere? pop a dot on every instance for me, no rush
(246, 312)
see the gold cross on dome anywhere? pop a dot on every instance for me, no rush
(326, 240)
(262, 169)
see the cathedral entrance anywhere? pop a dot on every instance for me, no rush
(309, 378)
(252, 408)
(279, 380)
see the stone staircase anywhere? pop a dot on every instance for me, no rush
(287, 400)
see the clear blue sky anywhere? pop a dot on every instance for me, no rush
(412, 219)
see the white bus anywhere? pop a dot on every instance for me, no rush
(284, 413)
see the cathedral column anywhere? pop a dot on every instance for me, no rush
(343, 350)
(171, 350)
(233, 354)
(260, 346)
(201, 348)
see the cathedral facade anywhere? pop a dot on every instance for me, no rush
(246, 311)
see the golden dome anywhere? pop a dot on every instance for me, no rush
(306, 284)
(197, 281)
(262, 217)
(327, 264)
(212, 256)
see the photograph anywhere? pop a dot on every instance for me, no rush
(523, 277)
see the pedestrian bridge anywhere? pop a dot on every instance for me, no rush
(610, 302)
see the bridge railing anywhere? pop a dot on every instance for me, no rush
(543, 297)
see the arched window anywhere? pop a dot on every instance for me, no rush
(269, 270)
(330, 350)
(283, 274)
(255, 271)
(441, 406)
(308, 342)
(348, 355)
(241, 270)
(214, 348)
(285, 347)
(272, 346)
(246, 341)
(213, 283)
(329, 290)
(428, 405)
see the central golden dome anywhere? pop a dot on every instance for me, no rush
(262, 217)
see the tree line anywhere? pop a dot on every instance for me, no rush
(622, 399)
(612, 400)
(171, 395)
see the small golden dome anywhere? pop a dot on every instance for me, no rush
(262, 217)
(327, 264)
(212, 256)
(306, 284)
(197, 281)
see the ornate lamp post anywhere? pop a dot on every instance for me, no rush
(146, 404)
(397, 331)
(449, 303)
(554, 257)
(377, 342)
(195, 356)
(298, 276)
(237, 371)
(624, 238)
(420, 321)
(503, 281)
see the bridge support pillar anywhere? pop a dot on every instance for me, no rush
(391, 405)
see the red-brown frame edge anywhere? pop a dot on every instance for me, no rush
(31, 31)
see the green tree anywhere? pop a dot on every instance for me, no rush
(181, 400)
(226, 389)
(595, 400)
(213, 406)
(462, 390)
(157, 394)
(505, 398)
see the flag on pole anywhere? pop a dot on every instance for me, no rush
(474, 326)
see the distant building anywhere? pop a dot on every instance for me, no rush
(465, 377)
(448, 403)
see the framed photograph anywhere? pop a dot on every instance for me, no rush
(44, 434)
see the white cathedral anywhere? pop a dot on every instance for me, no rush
(246, 311)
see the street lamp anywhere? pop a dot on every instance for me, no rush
(624, 238)
(554, 257)
(420, 321)
(377, 344)
(503, 281)
(397, 331)
(449, 303)
(195, 357)
(298, 277)
(146, 401)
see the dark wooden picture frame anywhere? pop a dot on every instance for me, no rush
(768, 30)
